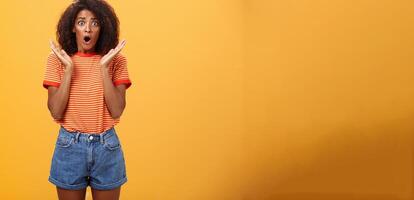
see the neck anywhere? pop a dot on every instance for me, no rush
(81, 50)
(82, 54)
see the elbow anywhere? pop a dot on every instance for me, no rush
(56, 113)
(57, 116)
(117, 114)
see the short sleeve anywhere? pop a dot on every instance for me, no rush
(54, 71)
(120, 71)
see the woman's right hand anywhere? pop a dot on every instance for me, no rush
(63, 57)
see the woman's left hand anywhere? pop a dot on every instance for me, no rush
(106, 59)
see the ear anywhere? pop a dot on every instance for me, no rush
(73, 30)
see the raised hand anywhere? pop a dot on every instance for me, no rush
(62, 55)
(106, 59)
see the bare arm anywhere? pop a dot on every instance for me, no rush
(114, 95)
(58, 97)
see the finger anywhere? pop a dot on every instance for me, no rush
(120, 46)
(60, 57)
(110, 52)
(54, 48)
(65, 54)
(62, 52)
(50, 43)
(57, 47)
(56, 51)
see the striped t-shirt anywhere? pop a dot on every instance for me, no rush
(86, 109)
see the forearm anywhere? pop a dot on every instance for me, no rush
(58, 101)
(114, 99)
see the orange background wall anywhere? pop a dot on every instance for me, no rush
(232, 99)
(328, 100)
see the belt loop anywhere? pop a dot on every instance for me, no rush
(77, 137)
(101, 137)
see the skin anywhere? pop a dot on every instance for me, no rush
(86, 25)
(96, 194)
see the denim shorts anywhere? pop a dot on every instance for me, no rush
(82, 159)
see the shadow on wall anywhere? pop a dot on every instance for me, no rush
(367, 161)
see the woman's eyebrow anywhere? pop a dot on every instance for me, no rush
(93, 18)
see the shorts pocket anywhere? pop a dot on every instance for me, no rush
(112, 143)
(64, 142)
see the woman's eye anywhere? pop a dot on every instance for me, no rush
(81, 23)
(95, 23)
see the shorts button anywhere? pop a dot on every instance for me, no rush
(91, 137)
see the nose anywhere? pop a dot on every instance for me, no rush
(87, 28)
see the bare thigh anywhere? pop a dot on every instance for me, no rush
(106, 194)
(64, 194)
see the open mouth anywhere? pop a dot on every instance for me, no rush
(86, 38)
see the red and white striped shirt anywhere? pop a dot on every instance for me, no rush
(86, 110)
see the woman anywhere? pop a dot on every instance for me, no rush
(86, 80)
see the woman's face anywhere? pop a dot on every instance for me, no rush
(87, 31)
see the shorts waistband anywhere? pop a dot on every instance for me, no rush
(90, 137)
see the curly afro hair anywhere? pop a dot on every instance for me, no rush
(108, 21)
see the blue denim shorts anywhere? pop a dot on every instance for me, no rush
(82, 159)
